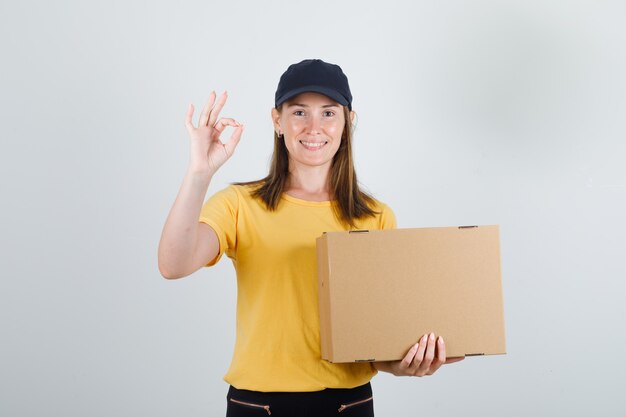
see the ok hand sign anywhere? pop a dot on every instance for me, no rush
(208, 153)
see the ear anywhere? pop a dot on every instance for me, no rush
(352, 116)
(276, 121)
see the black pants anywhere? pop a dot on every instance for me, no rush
(340, 402)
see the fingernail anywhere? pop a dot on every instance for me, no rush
(432, 336)
(441, 339)
(424, 338)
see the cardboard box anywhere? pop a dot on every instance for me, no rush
(381, 290)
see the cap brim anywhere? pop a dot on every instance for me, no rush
(330, 93)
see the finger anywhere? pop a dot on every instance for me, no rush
(441, 350)
(222, 123)
(206, 111)
(429, 355)
(188, 117)
(440, 356)
(419, 355)
(215, 111)
(408, 358)
(230, 146)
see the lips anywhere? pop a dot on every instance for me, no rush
(313, 146)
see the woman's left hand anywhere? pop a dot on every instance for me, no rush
(424, 358)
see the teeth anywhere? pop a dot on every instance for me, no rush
(313, 144)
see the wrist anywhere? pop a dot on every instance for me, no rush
(380, 366)
(199, 176)
(197, 181)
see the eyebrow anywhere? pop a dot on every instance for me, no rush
(305, 105)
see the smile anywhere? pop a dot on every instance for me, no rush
(313, 146)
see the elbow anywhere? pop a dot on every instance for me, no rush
(166, 273)
(167, 268)
(173, 267)
(168, 276)
(169, 273)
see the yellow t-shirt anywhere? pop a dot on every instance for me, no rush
(277, 344)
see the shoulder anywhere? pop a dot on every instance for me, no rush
(243, 191)
(384, 214)
(239, 195)
(236, 191)
(229, 197)
(229, 202)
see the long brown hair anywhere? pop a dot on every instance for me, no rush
(351, 203)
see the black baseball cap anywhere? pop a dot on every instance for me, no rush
(317, 76)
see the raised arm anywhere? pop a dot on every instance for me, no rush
(186, 244)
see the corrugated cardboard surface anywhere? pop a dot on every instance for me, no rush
(380, 290)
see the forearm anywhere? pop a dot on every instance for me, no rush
(382, 366)
(180, 233)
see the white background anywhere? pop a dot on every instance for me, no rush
(482, 112)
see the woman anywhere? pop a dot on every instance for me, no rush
(268, 228)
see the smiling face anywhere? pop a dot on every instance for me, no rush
(312, 125)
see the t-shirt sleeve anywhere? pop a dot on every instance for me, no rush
(387, 217)
(220, 212)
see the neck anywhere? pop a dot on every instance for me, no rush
(309, 183)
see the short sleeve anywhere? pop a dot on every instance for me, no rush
(387, 217)
(220, 212)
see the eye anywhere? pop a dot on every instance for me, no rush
(298, 113)
(329, 113)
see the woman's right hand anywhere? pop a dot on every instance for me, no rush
(208, 153)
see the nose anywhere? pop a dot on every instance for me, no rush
(314, 124)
